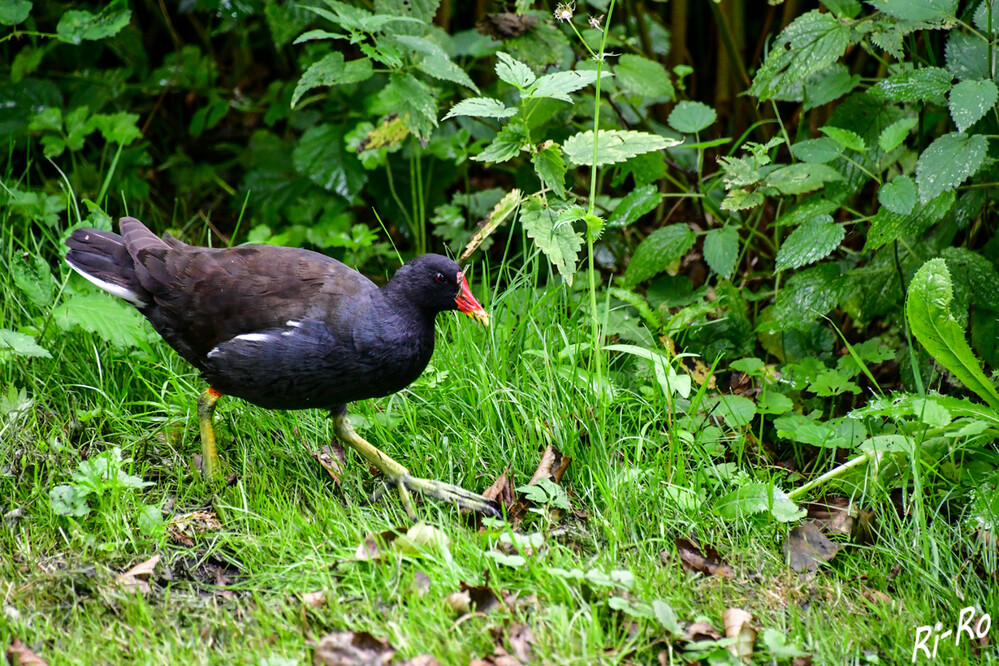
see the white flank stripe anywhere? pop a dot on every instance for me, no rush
(254, 337)
(293, 323)
(114, 289)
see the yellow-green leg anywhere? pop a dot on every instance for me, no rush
(398, 476)
(209, 452)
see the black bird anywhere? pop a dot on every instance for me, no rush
(285, 328)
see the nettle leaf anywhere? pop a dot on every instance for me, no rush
(810, 293)
(948, 162)
(75, 26)
(978, 272)
(829, 85)
(481, 107)
(662, 249)
(754, 498)
(643, 78)
(13, 343)
(550, 167)
(813, 241)
(558, 85)
(613, 146)
(441, 67)
(323, 72)
(898, 195)
(34, 279)
(741, 199)
(845, 138)
(919, 85)
(691, 117)
(322, 156)
(802, 178)
(927, 308)
(109, 318)
(887, 226)
(967, 56)
(818, 151)
(553, 235)
(414, 101)
(970, 101)
(13, 12)
(811, 43)
(928, 11)
(721, 250)
(635, 204)
(507, 144)
(514, 72)
(893, 135)
(121, 128)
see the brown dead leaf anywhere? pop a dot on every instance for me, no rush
(522, 642)
(806, 547)
(314, 599)
(702, 631)
(704, 560)
(877, 596)
(19, 654)
(184, 528)
(499, 657)
(738, 626)
(377, 544)
(347, 648)
(481, 597)
(136, 578)
(502, 490)
(460, 602)
(333, 460)
(505, 25)
(422, 660)
(802, 661)
(552, 465)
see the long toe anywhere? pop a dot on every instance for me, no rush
(450, 493)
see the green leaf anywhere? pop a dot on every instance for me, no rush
(970, 101)
(967, 56)
(323, 72)
(13, 12)
(772, 402)
(929, 11)
(721, 250)
(558, 85)
(414, 101)
(34, 279)
(887, 226)
(76, 26)
(736, 410)
(776, 643)
(804, 430)
(507, 144)
(13, 344)
(481, 107)
(635, 204)
(978, 272)
(109, 318)
(643, 78)
(948, 162)
(121, 128)
(927, 308)
(553, 236)
(69, 501)
(614, 146)
(810, 44)
(757, 498)
(441, 67)
(802, 178)
(918, 85)
(845, 138)
(818, 151)
(813, 241)
(513, 71)
(322, 156)
(898, 195)
(893, 135)
(691, 117)
(150, 520)
(661, 249)
(550, 167)
(829, 85)
(810, 293)
(741, 199)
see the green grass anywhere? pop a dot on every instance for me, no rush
(492, 397)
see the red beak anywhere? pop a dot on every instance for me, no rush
(467, 303)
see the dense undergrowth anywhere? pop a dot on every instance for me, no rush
(763, 332)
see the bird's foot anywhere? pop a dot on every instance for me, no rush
(438, 490)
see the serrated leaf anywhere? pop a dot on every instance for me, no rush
(414, 101)
(802, 178)
(658, 252)
(34, 279)
(829, 85)
(558, 85)
(502, 210)
(919, 85)
(844, 137)
(817, 151)
(948, 162)
(635, 204)
(970, 101)
(76, 26)
(898, 195)
(887, 226)
(121, 128)
(13, 12)
(691, 117)
(507, 144)
(813, 241)
(810, 293)
(643, 78)
(323, 72)
(741, 199)
(513, 71)
(614, 146)
(13, 343)
(481, 107)
(927, 308)
(967, 56)
(109, 318)
(441, 67)
(558, 240)
(978, 272)
(893, 135)
(929, 11)
(721, 250)
(322, 156)
(550, 167)
(754, 498)
(811, 43)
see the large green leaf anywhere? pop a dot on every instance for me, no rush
(109, 318)
(756, 498)
(550, 167)
(810, 293)
(513, 71)
(887, 226)
(34, 279)
(970, 101)
(801, 178)
(322, 156)
(930, 11)
(812, 241)
(614, 146)
(640, 201)
(721, 250)
(481, 107)
(917, 85)
(558, 85)
(948, 162)
(554, 235)
(75, 26)
(927, 308)
(690, 117)
(659, 251)
(13, 12)
(898, 195)
(642, 77)
(13, 343)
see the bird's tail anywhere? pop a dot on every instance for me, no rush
(103, 258)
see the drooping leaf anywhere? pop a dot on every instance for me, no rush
(927, 307)
(554, 236)
(811, 242)
(75, 25)
(970, 101)
(481, 107)
(550, 167)
(948, 162)
(614, 146)
(322, 156)
(13, 344)
(887, 226)
(721, 250)
(323, 72)
(507, 144)
(658, 252)
(640, 201)
(844, 137)
(558, 85)
(513, 71)
(643, 78)
(414, 101)
(441, 67)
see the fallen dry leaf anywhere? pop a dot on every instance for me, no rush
(806, 547)
(704, 560)
(737, 626)
(702, 631)
(333, 460)
(499, 657)
(522, 642)
(481, 597)
(552, 465)
(184, 528)
(377, 544)
(460, 602)
(502, 490)
(314, 599)
(422, 660)
(136, 578)
(877, 596)
(414, 541)
(347, 648)
(19, 654)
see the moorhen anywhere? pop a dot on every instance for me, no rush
(285, 328)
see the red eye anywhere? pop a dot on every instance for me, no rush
(440, 278)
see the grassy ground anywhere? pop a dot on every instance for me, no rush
(240, 592)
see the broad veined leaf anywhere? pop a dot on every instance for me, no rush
(927, 307)
(34, 279)
(481, 107)
(553, 235)
(756, 498)
(13, 343)
(635, 204)
(970, 101)
(893, 135)
(613, 146)
(558, 85)
(812, 241)
(898, 195)
(691, 117)
(643, 77)
(810, 293)
(658, 252)
(550, 167)
(819, 151)
(844, 137)
(918, 85)
(721, 250)
(322, 156)
(887, 226)
(76, 26)
(948, 162)
(930, 11)
(507, 144)
(513, 71)
(109, 318)
(802, 178)
(441, 67)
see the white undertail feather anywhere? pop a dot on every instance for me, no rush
(113, 289)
